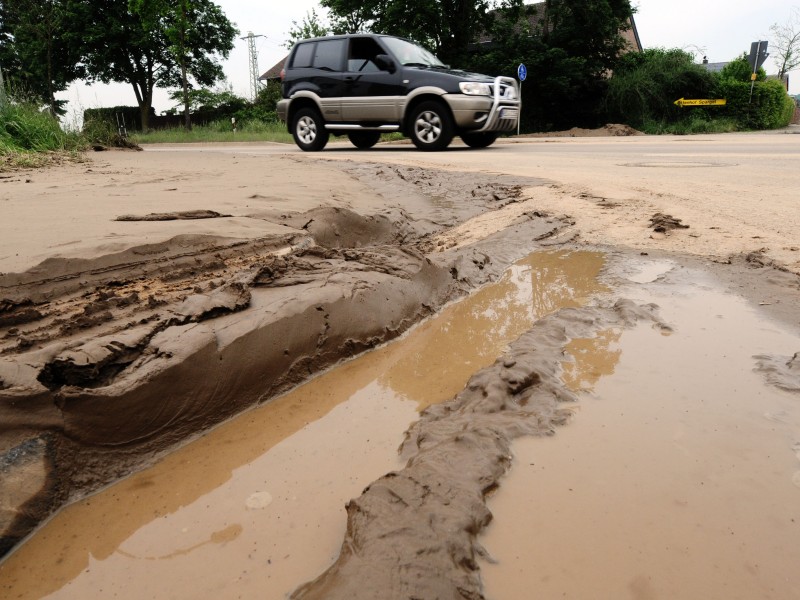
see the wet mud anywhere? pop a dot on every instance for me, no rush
(299, 458)
(107, 362)
(413, 533)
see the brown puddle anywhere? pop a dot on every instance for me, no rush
(676, 478)
(256, 507)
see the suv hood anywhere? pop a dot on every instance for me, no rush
(455, 73)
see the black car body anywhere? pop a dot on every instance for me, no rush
(365, 84)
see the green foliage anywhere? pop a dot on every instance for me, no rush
(24, 128)
(447, 27)
(769, 108)
(219, 131)
(129, 116)
(740, 70)
(195, 31)
(141, 44)
(39, 49)
(568, 51)
(645, 86)
(311, 26)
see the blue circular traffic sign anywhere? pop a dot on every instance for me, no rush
(522, 72)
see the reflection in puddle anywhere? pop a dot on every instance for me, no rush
(674, 481)
(256, 506)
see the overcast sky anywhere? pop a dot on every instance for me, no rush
(719, 29)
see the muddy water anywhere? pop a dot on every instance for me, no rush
(256, 507)
(676, 478)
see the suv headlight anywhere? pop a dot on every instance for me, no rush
(473, 88)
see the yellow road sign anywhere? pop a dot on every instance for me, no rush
(683, 102)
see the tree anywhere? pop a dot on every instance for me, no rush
(39, 50)
(447, 27)
(739, 69)
(786, 43)
(311, 26)
(645, 85)
(155, 43)
(195, 30)
(569, 47)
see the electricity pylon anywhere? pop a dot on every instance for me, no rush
(253, 60)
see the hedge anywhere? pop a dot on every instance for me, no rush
(131, 114)
(770, 108)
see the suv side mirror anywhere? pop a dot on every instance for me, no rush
(385, 63)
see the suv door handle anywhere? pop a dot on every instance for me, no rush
(349, 79)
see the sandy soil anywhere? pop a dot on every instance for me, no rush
(145, 297)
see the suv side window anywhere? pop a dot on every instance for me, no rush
(328, 55)
(303, 56)
(324, 54)
(362, 55)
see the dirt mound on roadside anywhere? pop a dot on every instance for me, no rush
(610, 130)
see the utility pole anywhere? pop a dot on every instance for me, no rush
(253, 60)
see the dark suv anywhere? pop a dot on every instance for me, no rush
(363, 85)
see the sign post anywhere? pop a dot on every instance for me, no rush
(522, 75)
(758, 54)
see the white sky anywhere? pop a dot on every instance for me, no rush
(719, 29)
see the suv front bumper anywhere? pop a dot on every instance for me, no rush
(498, 112)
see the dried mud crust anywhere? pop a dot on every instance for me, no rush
(105, 363)
(413, 533)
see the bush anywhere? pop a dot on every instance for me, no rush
(645, 86)
(24, 128)
(770, 106)
(131, 116)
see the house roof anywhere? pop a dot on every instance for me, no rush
(275, 71)
(537, 16)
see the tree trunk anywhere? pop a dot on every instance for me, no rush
(187, 118)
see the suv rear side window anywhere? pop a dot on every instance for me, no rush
(325, 54)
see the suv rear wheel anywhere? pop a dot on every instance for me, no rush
(309, 130)
(364, 139)
(481, 139)
(431, 126)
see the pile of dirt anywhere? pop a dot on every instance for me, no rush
(610, 130)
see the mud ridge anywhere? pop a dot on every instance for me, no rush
(413, 533)
(110, 362)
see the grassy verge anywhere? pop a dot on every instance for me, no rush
(690, 126)
(31, 138)
(248, 131)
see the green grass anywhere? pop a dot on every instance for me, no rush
(32, 138)
(690, 126)
(247, 131)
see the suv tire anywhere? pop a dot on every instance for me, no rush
(479, 139)
(431, 126)
(364, 139)
(309, 130)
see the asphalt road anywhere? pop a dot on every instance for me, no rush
(737, 192)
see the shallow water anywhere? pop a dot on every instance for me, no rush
(256, 507)
(675, 479)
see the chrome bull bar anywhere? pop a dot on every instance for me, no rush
(504, 113)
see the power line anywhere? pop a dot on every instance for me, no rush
(253, 61)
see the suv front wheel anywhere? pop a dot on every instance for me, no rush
(309, 130)
(431, 126)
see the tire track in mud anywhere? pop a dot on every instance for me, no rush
(107, 363)
(413, 533)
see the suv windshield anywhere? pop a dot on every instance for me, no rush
(408, 53)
